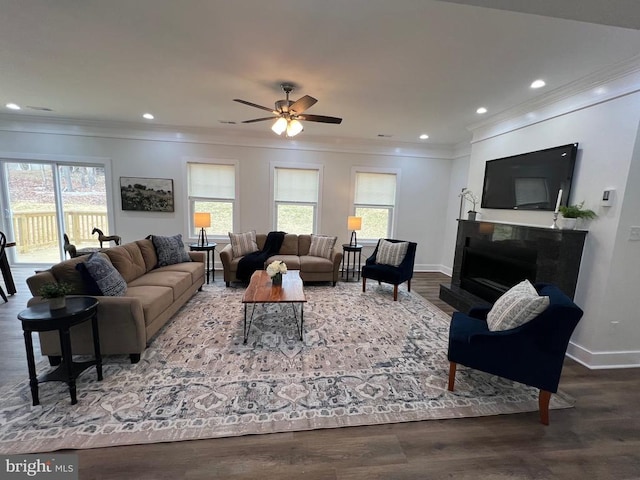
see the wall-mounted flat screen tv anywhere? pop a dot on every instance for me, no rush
(530, 181)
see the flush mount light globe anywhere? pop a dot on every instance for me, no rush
(294, 128)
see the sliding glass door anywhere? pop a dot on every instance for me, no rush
(46, 200)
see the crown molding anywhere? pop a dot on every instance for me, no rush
(604, 85)
(36, 124)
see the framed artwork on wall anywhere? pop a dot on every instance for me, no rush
(147, 194)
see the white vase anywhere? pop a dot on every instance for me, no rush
(57, 303)
(569, 223)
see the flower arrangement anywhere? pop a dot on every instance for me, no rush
(54, 290)
(577, 211)
(275, 270)
(471, 197)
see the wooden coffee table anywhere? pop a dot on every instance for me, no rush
(261, 290)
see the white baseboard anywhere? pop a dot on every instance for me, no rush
(426, 267)
(602, 360)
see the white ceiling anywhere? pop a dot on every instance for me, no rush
(392, 67)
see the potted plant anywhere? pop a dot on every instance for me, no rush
(468, 195)
(55, 292)
(572, 213)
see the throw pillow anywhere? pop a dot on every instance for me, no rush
(90, 285)
(243, 243)
(516, 307)
(170, 250)
(321, 245)
(108, 279)
(391, 253)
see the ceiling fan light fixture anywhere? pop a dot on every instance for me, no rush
(279, 126)
(294, 128)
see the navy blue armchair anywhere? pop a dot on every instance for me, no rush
(390, 274)
(532, 353)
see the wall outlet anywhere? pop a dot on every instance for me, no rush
(634, 234)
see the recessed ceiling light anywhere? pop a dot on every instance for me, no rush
(13, 106)
(424, 136)
(148, 116)
(481, 110)
(538, 84)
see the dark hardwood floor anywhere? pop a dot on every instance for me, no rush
(598, 439)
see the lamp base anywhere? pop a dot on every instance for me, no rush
(354, 240)
(554, 225)
(202, 241)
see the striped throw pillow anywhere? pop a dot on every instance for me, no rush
(243, 243)
(516, 307)
(322, 245)
(391, 253)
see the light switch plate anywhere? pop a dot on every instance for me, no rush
(634, 233)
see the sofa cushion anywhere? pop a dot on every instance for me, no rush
(108, 279)
(243, 243)
(321, 245)
(516, 307)
(170, 250)
(291, 261)
(304, 242)
(391, 253)
(311, 264)
(148, 252)
(289, 245)
(154, 299)
(179, 282)
(194, 269)
(128, 260)
(66, 272)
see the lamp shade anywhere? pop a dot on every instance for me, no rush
(294, 128)
(202, 220)
(354, 223)
(279, 125)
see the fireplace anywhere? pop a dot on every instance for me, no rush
(492, 257)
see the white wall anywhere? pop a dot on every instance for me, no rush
(423, 190)
(608, 156)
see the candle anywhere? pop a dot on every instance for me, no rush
(558, 201)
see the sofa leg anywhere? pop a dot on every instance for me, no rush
(364, 284)
(135, 357)
(334, 283)
(227, 283)
(55, 360)
(543, 405)
(409, 285)
(452, 375)
(395, 293)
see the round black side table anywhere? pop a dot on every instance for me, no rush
(39, 318)
(349, 264)
(209, 248)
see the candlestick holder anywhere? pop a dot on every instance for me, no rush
(555, 221)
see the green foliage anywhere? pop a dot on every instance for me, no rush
(577, 211)
(54, 290)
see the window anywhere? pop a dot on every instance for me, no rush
(212, 189)
(374, 201)
(296, 199)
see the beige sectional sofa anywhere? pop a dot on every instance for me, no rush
(126, 323)
(295, 253)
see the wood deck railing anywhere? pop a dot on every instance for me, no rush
(37, 230)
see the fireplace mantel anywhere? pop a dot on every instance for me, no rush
(490, 257)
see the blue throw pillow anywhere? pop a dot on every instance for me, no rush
(90, 285)
(108, 279)
(170, 250)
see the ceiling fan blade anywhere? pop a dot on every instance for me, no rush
(302, 104)
(320, 118)
(259, 119)
(255, 105)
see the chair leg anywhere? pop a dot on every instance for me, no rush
(543, 405)
(395, 293)
(3, 295)
(409, 285)
(452, 375)
(364, 284)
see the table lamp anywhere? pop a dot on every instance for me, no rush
(202, 221)
(354, 223)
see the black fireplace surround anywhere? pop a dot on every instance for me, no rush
(492, 257)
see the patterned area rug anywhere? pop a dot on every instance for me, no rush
(365, 360)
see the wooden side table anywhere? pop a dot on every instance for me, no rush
(349, 265)
(209, 248)
(39, 318)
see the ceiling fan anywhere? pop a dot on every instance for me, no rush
(288, 113)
